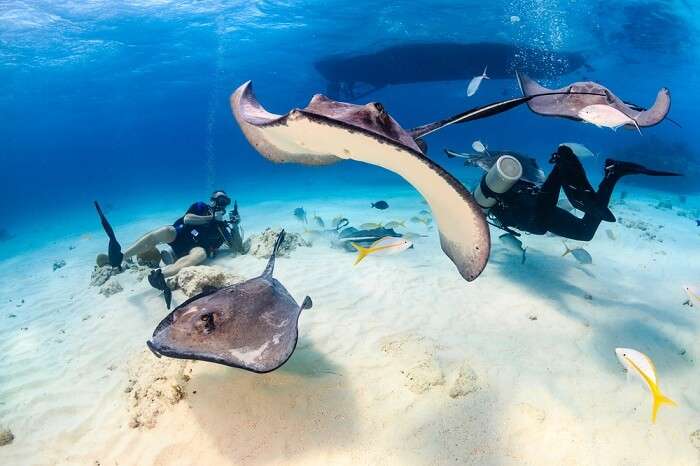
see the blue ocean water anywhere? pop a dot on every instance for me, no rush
(127, 102)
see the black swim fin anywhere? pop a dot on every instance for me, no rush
(157, 281)
(620, 168)
(114, 249)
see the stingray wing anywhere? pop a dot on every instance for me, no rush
(568, 106)
(327, 131)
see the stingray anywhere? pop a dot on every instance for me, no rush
(355, 76)
(250, 325)
(531, 169)
(568, 106)
(327, 131)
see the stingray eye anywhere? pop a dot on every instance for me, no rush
(380, 108)
(208, 320)
(608, 97)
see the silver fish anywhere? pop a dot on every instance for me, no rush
(581, 255)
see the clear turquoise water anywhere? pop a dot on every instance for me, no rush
(128, 103)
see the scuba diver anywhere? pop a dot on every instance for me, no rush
(526, 206)
(193, 238)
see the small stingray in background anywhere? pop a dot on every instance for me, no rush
(300, 214)
(250, 325)
(513, 244)
(594, 103)
(581, 255)
(381, 205)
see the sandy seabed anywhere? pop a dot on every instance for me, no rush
(400, 361)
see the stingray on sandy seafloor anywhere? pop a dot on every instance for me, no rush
(531, 169)
(559, 103)
(250, 325)
(326, 132)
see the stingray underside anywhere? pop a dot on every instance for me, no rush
(590, 93)
(327, 131)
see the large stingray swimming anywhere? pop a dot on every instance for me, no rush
(250, 325)
(327, 131)
(560, 103)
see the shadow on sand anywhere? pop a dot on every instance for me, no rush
(305, 406)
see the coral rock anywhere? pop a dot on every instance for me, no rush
(466, 382)
(192, 280)
(6, 437)
(100, 275)
(261, 245)
(110, 288)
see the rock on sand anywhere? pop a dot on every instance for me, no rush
(154, 386)
(261, 245)
(191, 280)
(417, 358)
(465, 383)
(6, 436)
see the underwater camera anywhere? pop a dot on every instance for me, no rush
(500, 178)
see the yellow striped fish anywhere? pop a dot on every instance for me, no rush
(639, 364)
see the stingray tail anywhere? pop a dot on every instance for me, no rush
(362, 252)
(271, 263)
(483, 75)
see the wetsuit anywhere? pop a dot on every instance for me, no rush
(533, 208)
(207, 236)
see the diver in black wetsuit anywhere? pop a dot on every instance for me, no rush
(193, 238)
(533, 208)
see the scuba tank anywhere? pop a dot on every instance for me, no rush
(500, 178)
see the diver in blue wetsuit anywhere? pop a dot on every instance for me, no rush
(193, 237)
